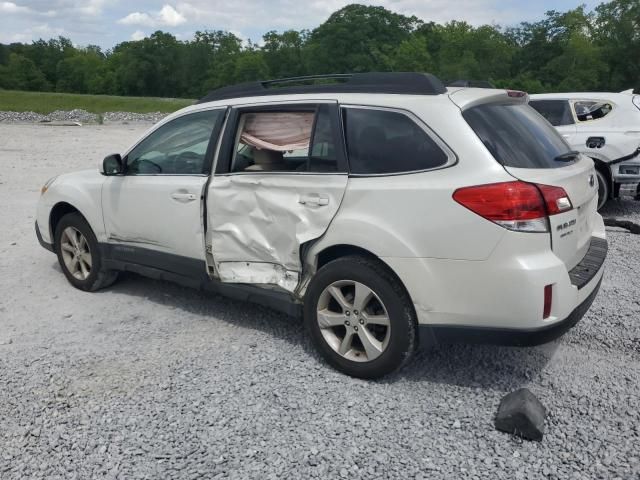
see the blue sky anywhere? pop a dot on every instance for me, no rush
(108, 22)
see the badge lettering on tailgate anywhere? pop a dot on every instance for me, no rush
(564, 226)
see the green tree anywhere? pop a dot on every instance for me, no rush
(249, 66)
(149, 66)
(412, 55)
(222, 49)
(22, 74)
(571, 50)
(617, 32)
(357, 38)
(283, 53)
(77, 73)
(47, 54)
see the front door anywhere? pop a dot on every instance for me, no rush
(157, 204)
(280, 178)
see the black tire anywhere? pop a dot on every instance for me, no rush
(98, 277)
(402, 340)
(604, 190)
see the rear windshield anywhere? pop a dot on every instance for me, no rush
(517, 135)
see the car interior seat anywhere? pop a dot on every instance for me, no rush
(267, 160)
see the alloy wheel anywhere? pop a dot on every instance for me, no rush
(353, 320)
(76, 253)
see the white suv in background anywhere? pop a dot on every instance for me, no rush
(603, 126)
(386, 208)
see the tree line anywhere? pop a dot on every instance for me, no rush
(576, 50)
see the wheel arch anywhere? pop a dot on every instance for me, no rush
(317, 259)
(334, 252)
(58, 211)
(603, 167)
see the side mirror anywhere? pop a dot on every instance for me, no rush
(112, 165)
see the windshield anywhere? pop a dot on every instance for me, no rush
(517, 136)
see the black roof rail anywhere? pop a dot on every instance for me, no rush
(471, 83)
(408, 83)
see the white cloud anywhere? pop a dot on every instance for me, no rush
(137, 18)
(10, 7)
(46, 31)
(168, 16)
(93, 7)
(137, 35)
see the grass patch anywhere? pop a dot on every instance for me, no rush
(47, 102)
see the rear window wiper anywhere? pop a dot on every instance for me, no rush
(567, 157)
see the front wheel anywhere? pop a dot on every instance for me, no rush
(79, 256)
(360, 318)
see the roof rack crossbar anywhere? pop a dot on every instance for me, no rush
(403, 83)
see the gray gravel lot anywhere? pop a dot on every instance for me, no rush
(80, 116)
(151, 380)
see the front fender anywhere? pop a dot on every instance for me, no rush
(82, 191)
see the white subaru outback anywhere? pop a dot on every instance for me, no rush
(387, 208)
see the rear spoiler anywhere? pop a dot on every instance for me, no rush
(628, 92)
(472, 97)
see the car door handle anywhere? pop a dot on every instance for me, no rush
(314, 199)
(184, 197)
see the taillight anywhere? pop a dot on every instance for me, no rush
(555, 198)
(518, 206)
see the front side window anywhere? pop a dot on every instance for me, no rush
(557, 112)
(517, 136)
(285, 141)
(385, 141)
(591, 110)
(176, 148)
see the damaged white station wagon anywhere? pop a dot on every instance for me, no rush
(387, 208)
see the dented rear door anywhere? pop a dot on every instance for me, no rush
(258, 217)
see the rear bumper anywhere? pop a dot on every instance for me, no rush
(47, 246)
(585, 276)
(626, 169)
(441, 334)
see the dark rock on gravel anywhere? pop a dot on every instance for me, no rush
(522, 414)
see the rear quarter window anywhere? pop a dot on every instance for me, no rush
(517, 136)
(385, 142)
(591, 110)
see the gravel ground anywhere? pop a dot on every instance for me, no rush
(151, 380)
(79, 116)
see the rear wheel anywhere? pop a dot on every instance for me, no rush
(603, 189)
(79, 255)
(360, 317)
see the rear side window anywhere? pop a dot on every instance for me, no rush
(557, 112)
(285, 141)
(591, 110)
(385, 141)
(517, 136)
